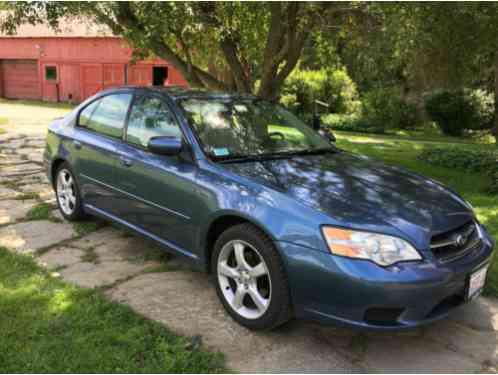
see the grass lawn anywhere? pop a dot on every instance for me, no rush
(29, 116)
(48, 326)
(403, 152)
(38, 103)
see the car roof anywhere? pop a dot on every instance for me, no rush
(181, 92)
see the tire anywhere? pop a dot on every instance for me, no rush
(269, 289)
(71, 208)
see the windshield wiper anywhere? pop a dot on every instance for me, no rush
(236, 158)
(316, 151)
(248, 158)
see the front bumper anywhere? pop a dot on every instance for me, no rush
(359, 293)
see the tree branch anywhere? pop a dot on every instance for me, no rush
(195, 76)
(229, 49)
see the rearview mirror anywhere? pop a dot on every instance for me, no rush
(165, 145)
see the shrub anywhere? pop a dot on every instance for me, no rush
(484, 107)
(333, 87)
(464, 159)
(493, 188)
(384, 109)
(457, 111)
(349, 122)
(483, 161)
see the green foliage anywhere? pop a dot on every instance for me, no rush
(333, 87)
(420, 46)
(49, 326)
(384, 109)
(350, 123)
(483, 103)
(39, 212)
(381, 110)
(460, 110)
(493, 187)
(471, 161)
(461, 158)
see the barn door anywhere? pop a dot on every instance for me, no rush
(70, 83)
(140, 75)
(50, 74)
(114, 75)
(20, 79)
(91, 79)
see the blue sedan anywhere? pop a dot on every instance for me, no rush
(287, 224)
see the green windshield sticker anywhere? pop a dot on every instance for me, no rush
(221, 151)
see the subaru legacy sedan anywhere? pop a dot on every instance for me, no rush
(287, 224)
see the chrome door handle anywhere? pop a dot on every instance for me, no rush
(125, 161)
(77, 144)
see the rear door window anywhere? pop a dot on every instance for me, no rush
(107, 115)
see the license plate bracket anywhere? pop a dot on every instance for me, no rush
(476, 282)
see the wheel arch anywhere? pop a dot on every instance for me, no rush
(54, 166)
(221, 223)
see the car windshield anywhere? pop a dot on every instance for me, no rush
(249, 127)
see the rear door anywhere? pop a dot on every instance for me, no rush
(98, 136)
(158, 191)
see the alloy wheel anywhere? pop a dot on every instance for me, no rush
(244, 279)
(66, 191)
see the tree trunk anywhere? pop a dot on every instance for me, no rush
(495, 127)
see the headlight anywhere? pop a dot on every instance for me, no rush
(379, 248)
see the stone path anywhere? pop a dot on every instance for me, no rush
(137, 273)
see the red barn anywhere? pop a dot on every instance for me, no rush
(71, 65)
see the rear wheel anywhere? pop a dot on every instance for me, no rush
(250, 279)
(68, 194)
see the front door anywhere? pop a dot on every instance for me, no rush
(158, 191)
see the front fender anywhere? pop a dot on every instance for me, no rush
(279, 216)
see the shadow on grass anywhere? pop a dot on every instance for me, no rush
(50, 326)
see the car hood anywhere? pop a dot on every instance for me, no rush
(356, 191)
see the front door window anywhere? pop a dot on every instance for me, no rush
(151, 117)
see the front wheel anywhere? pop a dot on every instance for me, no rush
(250, 279)
(68, 194)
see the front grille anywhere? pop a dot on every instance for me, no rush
(454, 244)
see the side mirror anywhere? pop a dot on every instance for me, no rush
(327, 134)
(165, 145)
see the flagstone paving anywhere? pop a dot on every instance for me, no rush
(135, 272)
